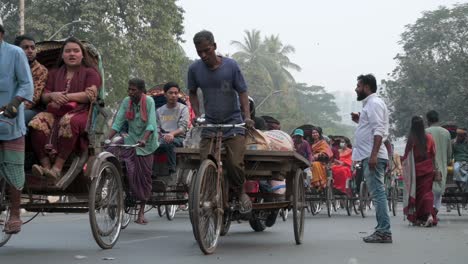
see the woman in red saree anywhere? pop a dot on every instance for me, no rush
(60, 130)
(341, 168)
(321, 153)
(420, 166)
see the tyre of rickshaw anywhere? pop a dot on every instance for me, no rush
(363, 198)
(226, 224)
(4, 213)
(348, 205)
(314, 207)
(161, 210)
(257, 224)
(330, 199)
(170, 211)
(206, 207)
(394, 194)
(106, 205)
(284, 214)
(298, 206)
(126, 218)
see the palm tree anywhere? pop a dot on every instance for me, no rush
(280, 53)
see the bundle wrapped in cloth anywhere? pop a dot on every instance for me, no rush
(256, 140)
(279, 140)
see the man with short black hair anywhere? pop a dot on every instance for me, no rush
(226, 102)
(16, 87)
(39, 75)
(443, 146)
(173, 120)
(372, 131)
(138, 111)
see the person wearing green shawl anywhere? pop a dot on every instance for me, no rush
(443, 146)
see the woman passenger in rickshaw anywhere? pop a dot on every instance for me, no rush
(321, 153)
(69, 91)
(341, 168)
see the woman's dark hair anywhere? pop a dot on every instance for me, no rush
(417, 135)
(368, 79)
(169, 85)
(86, 59)
(138, 83)
(348, 143)
(2, 29)
(319, 130)
(203, 35)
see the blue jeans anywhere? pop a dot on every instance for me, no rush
(460, 174)
(168, 148)
(376, 185)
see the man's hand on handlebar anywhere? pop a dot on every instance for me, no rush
(141, 143)
(249, 123)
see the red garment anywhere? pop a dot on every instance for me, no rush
(424, 167)
(130, 114)
(69, 134)
(341, 173)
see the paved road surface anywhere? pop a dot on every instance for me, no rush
(59, 238)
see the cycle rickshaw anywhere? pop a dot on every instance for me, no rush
(90, 182)
(211, 207)
(454, 194)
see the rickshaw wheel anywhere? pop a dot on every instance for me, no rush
(129, 212)
(226, 224)
(106, 205)
(298, 205)
(4, 213)
(330, 200)
(363, 199)
(161, 210)
(348, 205)
(314, 207)
(170, 211)
(206, 207)
(394, 200)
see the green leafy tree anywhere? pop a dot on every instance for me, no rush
(431, 70)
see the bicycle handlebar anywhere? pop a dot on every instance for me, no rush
(241, 125)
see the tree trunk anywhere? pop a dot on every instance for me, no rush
(21, 16)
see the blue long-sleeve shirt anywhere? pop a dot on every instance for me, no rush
(15, 80)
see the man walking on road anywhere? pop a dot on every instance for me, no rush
(369, 149)
(16, 87)
(443, 146)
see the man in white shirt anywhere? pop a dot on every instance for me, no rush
(369, 149)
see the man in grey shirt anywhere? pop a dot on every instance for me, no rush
(173, 119)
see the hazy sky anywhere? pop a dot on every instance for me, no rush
(335, 40)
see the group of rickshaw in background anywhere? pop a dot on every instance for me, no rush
(345, 185)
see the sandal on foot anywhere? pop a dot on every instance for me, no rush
(13, 227)
(52, 174)
(429, 222)
(141, 221)
(38, 170)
